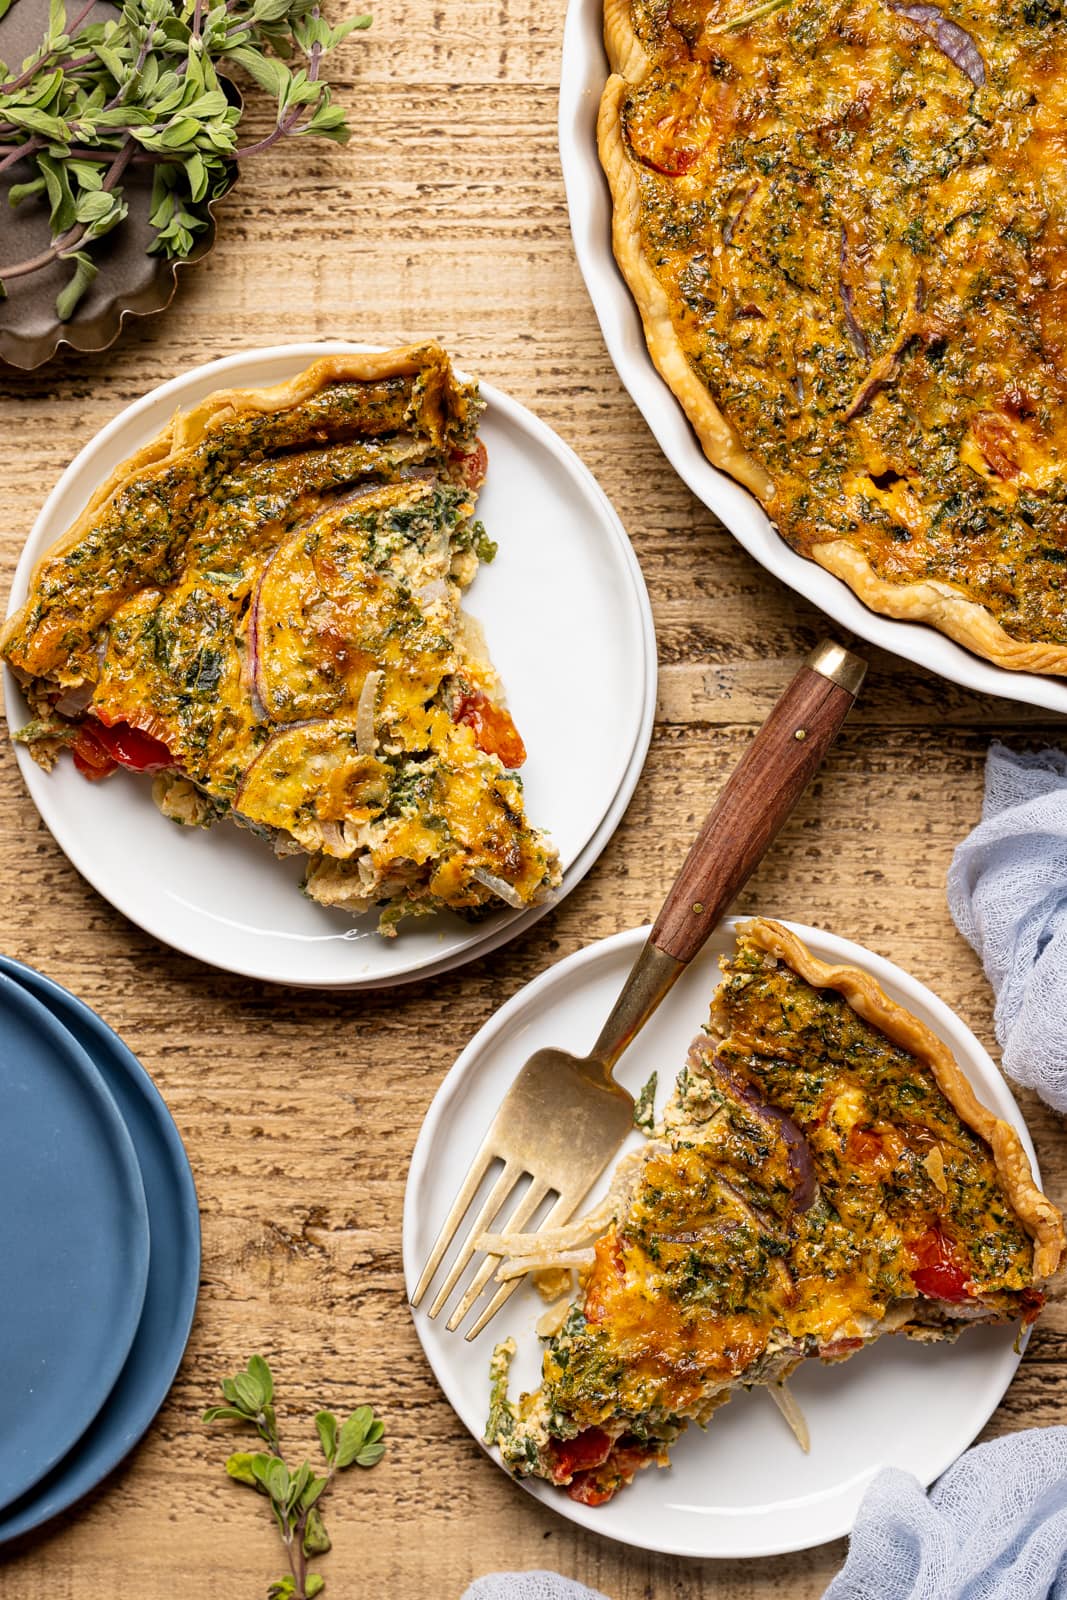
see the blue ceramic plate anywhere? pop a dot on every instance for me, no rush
(174, 1267)
(75, 1246)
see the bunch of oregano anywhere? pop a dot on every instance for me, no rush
(295, 1497)
(145, 88)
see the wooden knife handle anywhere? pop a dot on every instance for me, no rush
(759, 795)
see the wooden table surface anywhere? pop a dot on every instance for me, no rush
(446, 217)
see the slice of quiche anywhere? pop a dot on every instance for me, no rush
(263, 608)
(823, 1175)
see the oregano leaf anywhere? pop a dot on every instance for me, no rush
(247, 1392)
(24, 191)
(360, 1431)
(278, 1481)
(260, 1374)
(326, 1427)
(312, 1493)
(316, 1539)
(68, 298)
(217, 1413)
(350, 1441)
(298, 1482)
(239, 1467)
(269, 73)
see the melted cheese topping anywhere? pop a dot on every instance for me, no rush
(864, 249)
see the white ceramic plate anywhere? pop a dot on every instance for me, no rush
(584, 73)
(743, 1488)
(569, 627)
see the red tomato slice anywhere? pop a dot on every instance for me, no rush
(99, 749)
(938, 1271)
(598, 1485)
(494, 731)
(90, 756)
(670, 135)
(589, 1449)
(865, 1146)
(136, 750)
(674, 165)
(839, 1349)
(472, 465)
(996, 442)
(608, 1274)
(589, 1491)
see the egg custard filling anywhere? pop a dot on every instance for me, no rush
(823, 1174)
(263, 608)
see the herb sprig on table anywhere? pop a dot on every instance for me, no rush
(295, 1496)
(145, 88)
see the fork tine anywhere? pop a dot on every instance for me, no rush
(564, 1207)
(518, 1218)
(497, 1195)
(505, 1292)
(478, 1168)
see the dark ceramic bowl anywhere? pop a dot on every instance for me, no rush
(130, 282)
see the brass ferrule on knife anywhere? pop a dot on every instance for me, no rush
(833, 661)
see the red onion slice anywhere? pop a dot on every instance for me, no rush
(779, 1122)
(855, 332)
(763, 1223)
(952, 40)
(253, 664)
(74, 701)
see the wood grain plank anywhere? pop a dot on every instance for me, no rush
(446, 217)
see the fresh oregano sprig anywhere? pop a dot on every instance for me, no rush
(147, 87)
(295, 1497)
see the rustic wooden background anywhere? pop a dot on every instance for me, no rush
(446, 216)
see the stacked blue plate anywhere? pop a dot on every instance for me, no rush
(100, 1252)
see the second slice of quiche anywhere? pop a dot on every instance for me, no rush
(823, 1175)
(263, 608)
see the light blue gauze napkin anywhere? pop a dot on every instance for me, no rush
(993, 1528)
(529, 1586)
(1007, 890)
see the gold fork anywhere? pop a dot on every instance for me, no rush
(564, 1117)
